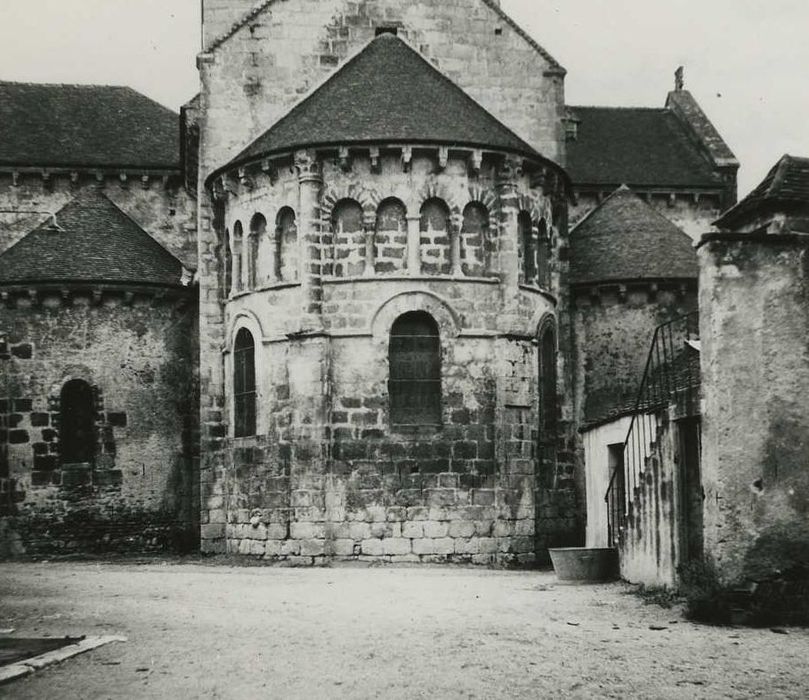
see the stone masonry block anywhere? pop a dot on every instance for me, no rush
(434, 529)
(424, 546)
(524, 528)
(412, 530)
(461, 528)
(396, 545)
(313, 548)
(503, 528)
(343, 547)
(381, 530)
(212, 531)
(445, 545)
(372, 548)
(487, 545)
(359, 531)
(276, 531)
(290, 548)
(307, 531)
(417, 513)
(217, 516)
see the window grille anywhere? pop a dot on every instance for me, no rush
(415, 370)
(244, 384)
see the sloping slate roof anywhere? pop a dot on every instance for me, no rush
(257, 9)
(626, 239)
(786, 183)
(637, 146)
(387, 92)
(98, 243)
(85, 125)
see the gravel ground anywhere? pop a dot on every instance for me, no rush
(198, 630)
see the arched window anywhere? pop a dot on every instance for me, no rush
(414, 356)
(436, 250)
(527, 247)
(286, 245)
(237, 250)
(244, 384)
(543, 256)
(475, 239)
(390, 238)
(349, 238)
(548, 408)
(77, 435)
(259, 253)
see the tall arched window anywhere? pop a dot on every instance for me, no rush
(414, 357)
(259, 253)
(436, 249)
(543, 255)
(286, 245)
(390, 239)
(475, 239)
(548, 408)
(237, 250)
(77, 435)
(244, 384)
(527, 247)
(349, 238)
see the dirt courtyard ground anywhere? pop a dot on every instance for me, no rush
(198, 630)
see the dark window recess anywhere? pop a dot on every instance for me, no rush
(548, 429)
(527, 242)
(77, 434)
(387, 30)
(415, 370)
(244, 384)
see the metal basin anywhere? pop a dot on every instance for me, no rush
(585, 564)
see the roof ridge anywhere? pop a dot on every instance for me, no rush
(619, 107)
(589, 214)
(76, 85)
(492, 4)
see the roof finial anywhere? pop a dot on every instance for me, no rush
(679, 80)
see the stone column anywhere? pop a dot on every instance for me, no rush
(369, 228)
(508, 242)
(413, 244)
(272, 257)
(310, 180)
(455, 247)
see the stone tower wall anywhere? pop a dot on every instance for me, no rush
(136, 353)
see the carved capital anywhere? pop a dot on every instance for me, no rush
(308, 166)
(509, 171)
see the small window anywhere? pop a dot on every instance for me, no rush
(415, 370)
(548, 405)
(387, 30)
(528, 248)
(244, 384)
(237, 252)
(287, 245)
(77, 435)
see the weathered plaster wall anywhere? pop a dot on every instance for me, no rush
(754, 296)
(598, 472)
(164, 209)
(613, 333)
(139, 360)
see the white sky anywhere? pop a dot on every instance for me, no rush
(746, 61)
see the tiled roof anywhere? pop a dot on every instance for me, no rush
(787, 183)
(639, 147)
(97, 243)
(386, 93)
(626, 239)
(259, 7)
(85, 126)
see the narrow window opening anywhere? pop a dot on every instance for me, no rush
(387, 30)
(244, 385)
(77, 435)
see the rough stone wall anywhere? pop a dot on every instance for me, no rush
(613, 332)
(693, 215)
(754, 296)
(140, 493)
(163, 209)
